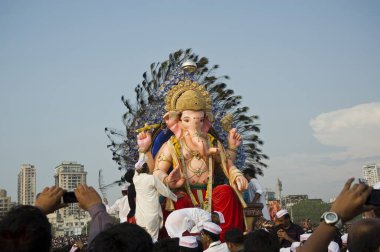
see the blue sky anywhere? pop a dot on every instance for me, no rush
(309, 69)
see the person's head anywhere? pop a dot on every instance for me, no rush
(217, 217)
(25, 228)
(144, 169)
(261, 241)
(210, 233)
(124, 189)
(123, 237)
(234, 239)
(364, 236)
(249, 174)
(283, 218)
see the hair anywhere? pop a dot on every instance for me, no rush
(213, 237)
(143, 169)
(249, 172)
(25, 228)
(166, 245)
(261, 241)
(123, 237)
(364, 236)
(286, 216)
(234, 235)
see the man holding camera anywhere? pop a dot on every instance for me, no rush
(286, 231)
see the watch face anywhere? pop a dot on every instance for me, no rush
(331, 217)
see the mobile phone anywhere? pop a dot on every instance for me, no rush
(374, 198)
(69, 197)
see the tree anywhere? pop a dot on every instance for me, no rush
(149, 108)
(309, 209)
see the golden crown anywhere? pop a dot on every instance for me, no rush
(188, 95)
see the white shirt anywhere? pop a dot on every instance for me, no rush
(253, 188)
(122, 206)
(186, 219)
(217, 246)
(148, 208)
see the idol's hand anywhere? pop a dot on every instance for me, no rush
(241, 183)
(144, 140)
(175, 179)
(234, 139)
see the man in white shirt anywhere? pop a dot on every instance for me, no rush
(255, 191)
(190, 220)
(210, 238)
(121, 205)
(148, 208)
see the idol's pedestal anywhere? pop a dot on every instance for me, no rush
(251, 212)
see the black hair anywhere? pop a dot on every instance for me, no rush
(213, 237)
(250, 172)
(143, 169)
(234, 235)
(128, 176)
(123, 237)
(25, 228)
(261, 241)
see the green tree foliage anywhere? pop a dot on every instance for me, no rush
(309, 209)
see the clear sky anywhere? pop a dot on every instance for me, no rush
(309, 69)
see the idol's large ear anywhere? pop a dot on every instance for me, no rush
(172, 121)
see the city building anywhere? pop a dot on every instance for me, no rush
(290, 200)
(371, 174)
(269, 195)
(5, 203)
(27, 185)
(69, 220)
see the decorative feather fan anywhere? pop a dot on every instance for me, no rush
(150, 102)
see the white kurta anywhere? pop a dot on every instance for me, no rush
(255, 187)
(217, 246)
(122, 206)
(186, 219)
(148, 208)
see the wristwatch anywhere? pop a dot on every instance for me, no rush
(332, 219)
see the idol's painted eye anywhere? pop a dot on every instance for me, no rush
(202, 120)
(186, 120)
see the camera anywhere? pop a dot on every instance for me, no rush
(374, 198)
(69, 197)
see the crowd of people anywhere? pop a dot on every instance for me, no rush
(26, 228)
(68, 241)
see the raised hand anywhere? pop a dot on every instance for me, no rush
(234, 139)
(49, 199)
(87, 196)
(350, 202)
(144, 140)
(175, 179)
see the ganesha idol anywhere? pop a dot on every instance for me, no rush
(189, 160)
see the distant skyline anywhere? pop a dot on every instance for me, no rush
(308, 69)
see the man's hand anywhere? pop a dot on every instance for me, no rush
(87, 196)
(350, 202)
(49, 199)
(283, 235)
(241, 183)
